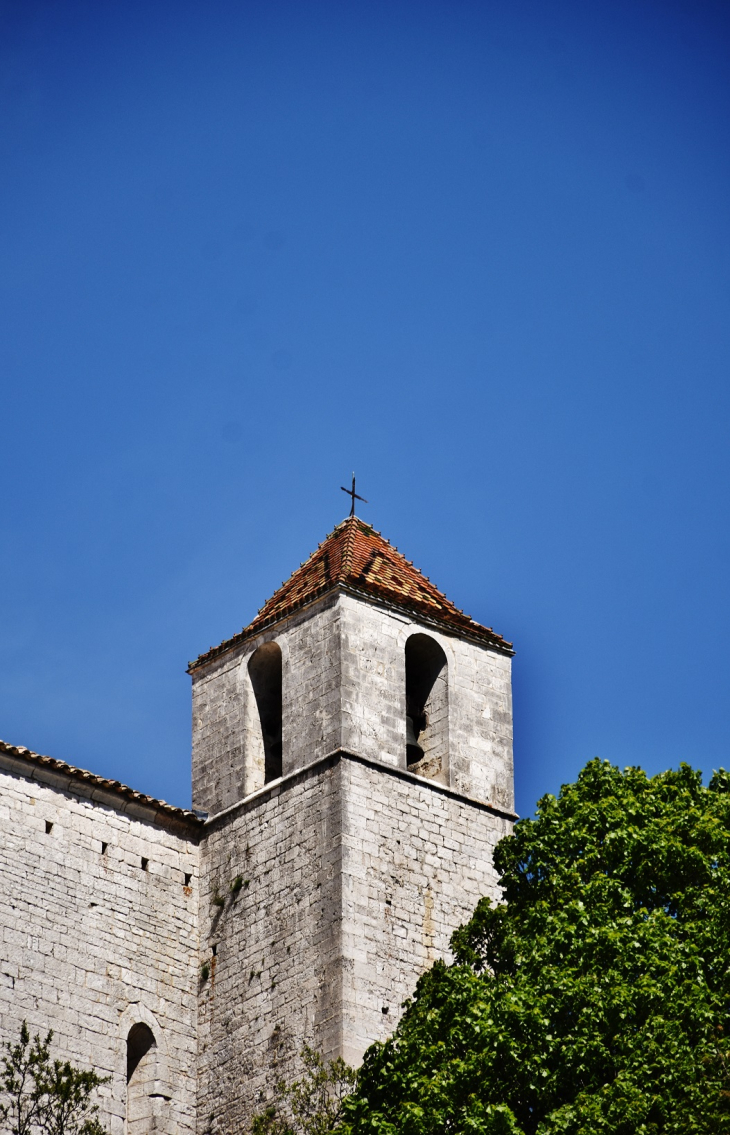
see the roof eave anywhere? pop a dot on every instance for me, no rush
(101, 789)
(474, 633)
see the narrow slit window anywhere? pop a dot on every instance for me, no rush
(104, 847)
(145, 863)
(49, 827)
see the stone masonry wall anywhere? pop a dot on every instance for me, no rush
(479, 697)
(311, 685)
(273, 946)
(415, 861)
(480, 723)
(92, 943)
(353, 877)
(373, 681)
(219, 715)
(225, 718)
(343, 670)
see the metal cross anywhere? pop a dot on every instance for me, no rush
(351, 493)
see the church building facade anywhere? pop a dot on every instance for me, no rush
(352, 773)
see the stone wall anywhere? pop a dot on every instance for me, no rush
(225, 725)
(353, 877)
(311, 693)
(314, 905)
(344, 687)
(98, 910)
(416, 858)
(273, 946)
(219, 716)
(479, 698)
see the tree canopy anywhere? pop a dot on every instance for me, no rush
(595, 999)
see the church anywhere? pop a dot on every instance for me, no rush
(352, 773)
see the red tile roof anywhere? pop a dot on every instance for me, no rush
(164, 812)
(356, 558)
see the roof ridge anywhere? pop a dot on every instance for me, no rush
(348, 545)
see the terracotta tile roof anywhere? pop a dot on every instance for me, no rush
(91, 780)
(356, 558)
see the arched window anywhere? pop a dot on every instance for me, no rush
(427, 708)
(141, 1062)
(265, 672)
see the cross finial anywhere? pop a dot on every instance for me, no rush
(351, 493)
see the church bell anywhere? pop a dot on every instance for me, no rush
(413, 749)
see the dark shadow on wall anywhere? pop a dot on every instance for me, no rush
(265, 672)
(427, 708)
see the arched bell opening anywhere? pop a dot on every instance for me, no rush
(427, 708)
(264, 669)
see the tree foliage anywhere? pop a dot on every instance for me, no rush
(594, 1000)
(311, 1105)
(44, 1096)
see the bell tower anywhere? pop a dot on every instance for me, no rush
(352, 747)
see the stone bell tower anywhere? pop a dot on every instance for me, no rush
(353, 749)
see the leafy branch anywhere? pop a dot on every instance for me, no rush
(311, 1105)
(45, 1096)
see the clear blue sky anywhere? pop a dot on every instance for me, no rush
(476, 251)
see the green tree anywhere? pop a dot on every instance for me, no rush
(44, 1096)
(595, 999)
(311, 1105)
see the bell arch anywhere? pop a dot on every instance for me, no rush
(427, 708)
(264, 741)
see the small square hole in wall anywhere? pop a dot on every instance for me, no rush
(49, 827)
(384, 1010)
(145, 863)
(188, 878)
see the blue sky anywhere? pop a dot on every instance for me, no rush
(477, 252)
